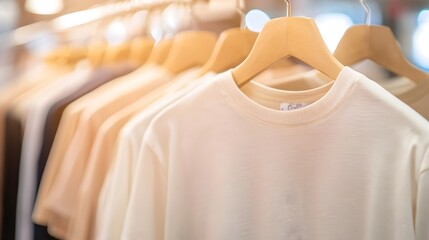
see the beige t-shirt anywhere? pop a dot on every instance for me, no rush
(346, 160)
(83, 217)
(66, 129)
(62, 196)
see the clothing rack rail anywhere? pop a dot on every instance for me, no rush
(32, 32)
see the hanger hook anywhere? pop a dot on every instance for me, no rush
(240, 9)
(288, 8)
(190, 5)
(367, 11)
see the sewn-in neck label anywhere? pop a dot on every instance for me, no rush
(292, 106)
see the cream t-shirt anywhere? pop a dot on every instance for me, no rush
(114, 195)
(346, 160)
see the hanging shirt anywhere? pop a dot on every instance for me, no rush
(62, 197)
(38, 106)
(7, 94)
(262, 163)
(11, 135)
(112, 206)
(112, 201)
(67, 126)
(417, 97)
(97, 78)
(82, 220)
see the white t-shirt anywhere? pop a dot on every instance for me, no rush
(349, 161)
(115, 193)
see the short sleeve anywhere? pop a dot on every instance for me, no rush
(145, 216)
(115, 193)
(422, 205)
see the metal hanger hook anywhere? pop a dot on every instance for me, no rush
(240, 9)
(288, 8)
(367, 11)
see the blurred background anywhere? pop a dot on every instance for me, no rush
(31, 28)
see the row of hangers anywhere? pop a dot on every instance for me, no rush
(191, 47)
(186, 49)
(299, 37)
(251, 53)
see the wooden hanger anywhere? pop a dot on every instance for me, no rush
(189, 49)
(378, 44)
(232, 47)
(160, 52)
(75, 54)
(140, 50)
(96, 52)
(284, 37)
(117, 53)
(57, 55)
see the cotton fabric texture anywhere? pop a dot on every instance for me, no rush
(350, 163)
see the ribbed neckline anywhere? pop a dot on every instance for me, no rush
(329, 98)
